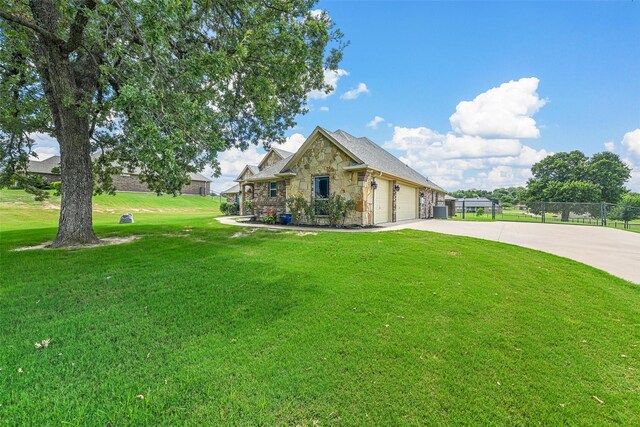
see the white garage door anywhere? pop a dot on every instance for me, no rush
(383, 201)
(406, 203)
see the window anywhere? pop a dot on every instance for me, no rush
(321, 187)
(273, 189)
(321, 194)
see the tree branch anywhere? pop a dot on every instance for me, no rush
(23, 22)
(78, 26)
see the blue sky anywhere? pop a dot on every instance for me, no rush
(524, 79)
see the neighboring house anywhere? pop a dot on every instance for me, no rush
(232, 194)
(472, 204)
(383, 188)
(126, 181)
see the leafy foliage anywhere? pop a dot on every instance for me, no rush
(249, 205)
(628, 210)
(162, 87)
(57, 187)
(271, 217)
(480, 212)
(573, 177)
(297, 207)
(337, 208)
(228, 208)
(505, 196)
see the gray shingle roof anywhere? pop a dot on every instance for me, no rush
(44, 166)
(283, 153)
(378, 158)
(198, 177)
(270, 171)
(234, 189)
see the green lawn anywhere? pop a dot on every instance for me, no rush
(217, 325)
(523, 216)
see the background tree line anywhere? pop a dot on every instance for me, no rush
(574, 179)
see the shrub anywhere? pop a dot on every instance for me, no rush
(57, 187)
(271, 217)
(480, 212)
(297, 208)
(248, 204)
(337, 208)
(228, 208)
(32, 181)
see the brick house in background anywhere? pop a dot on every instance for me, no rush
(383, 188)
(126, 181)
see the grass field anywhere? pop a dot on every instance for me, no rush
(523, 216)
(217, 325)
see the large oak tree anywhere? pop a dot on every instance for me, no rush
(575, 179)
(159, 85)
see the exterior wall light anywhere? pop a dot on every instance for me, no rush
(374, 184)
(397, 188)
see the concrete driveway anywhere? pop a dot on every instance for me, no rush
(611, 250)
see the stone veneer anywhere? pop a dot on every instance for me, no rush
(271, 159)
(264, 202)
(324, 158)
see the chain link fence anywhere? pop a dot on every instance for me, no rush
(594, 214)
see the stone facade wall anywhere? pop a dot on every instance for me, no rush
(264, 202)
(197, 187)
(431, 198)
(324, 158)
(272, 158)
(230, 198)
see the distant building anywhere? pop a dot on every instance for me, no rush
(472, 204)
(126, 181)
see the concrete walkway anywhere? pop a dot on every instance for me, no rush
(611, 250)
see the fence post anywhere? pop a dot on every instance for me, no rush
(604, 214)
(493, 210)
(542, 212)
(464, 208)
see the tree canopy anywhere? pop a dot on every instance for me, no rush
(574, 177)
(159, 86)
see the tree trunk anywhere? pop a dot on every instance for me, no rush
(69, 85)
(76, 222)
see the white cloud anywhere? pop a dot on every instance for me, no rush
(631, 141)
(317, 13)
(355, 92)
(331, 78)
(471, 155)
(45, 145)
(501, 112)
(323, 108)
(232, 161)
(373, 124)
(610, 146)
(292, 143)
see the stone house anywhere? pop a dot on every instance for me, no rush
(383, 188)
(126, 181)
